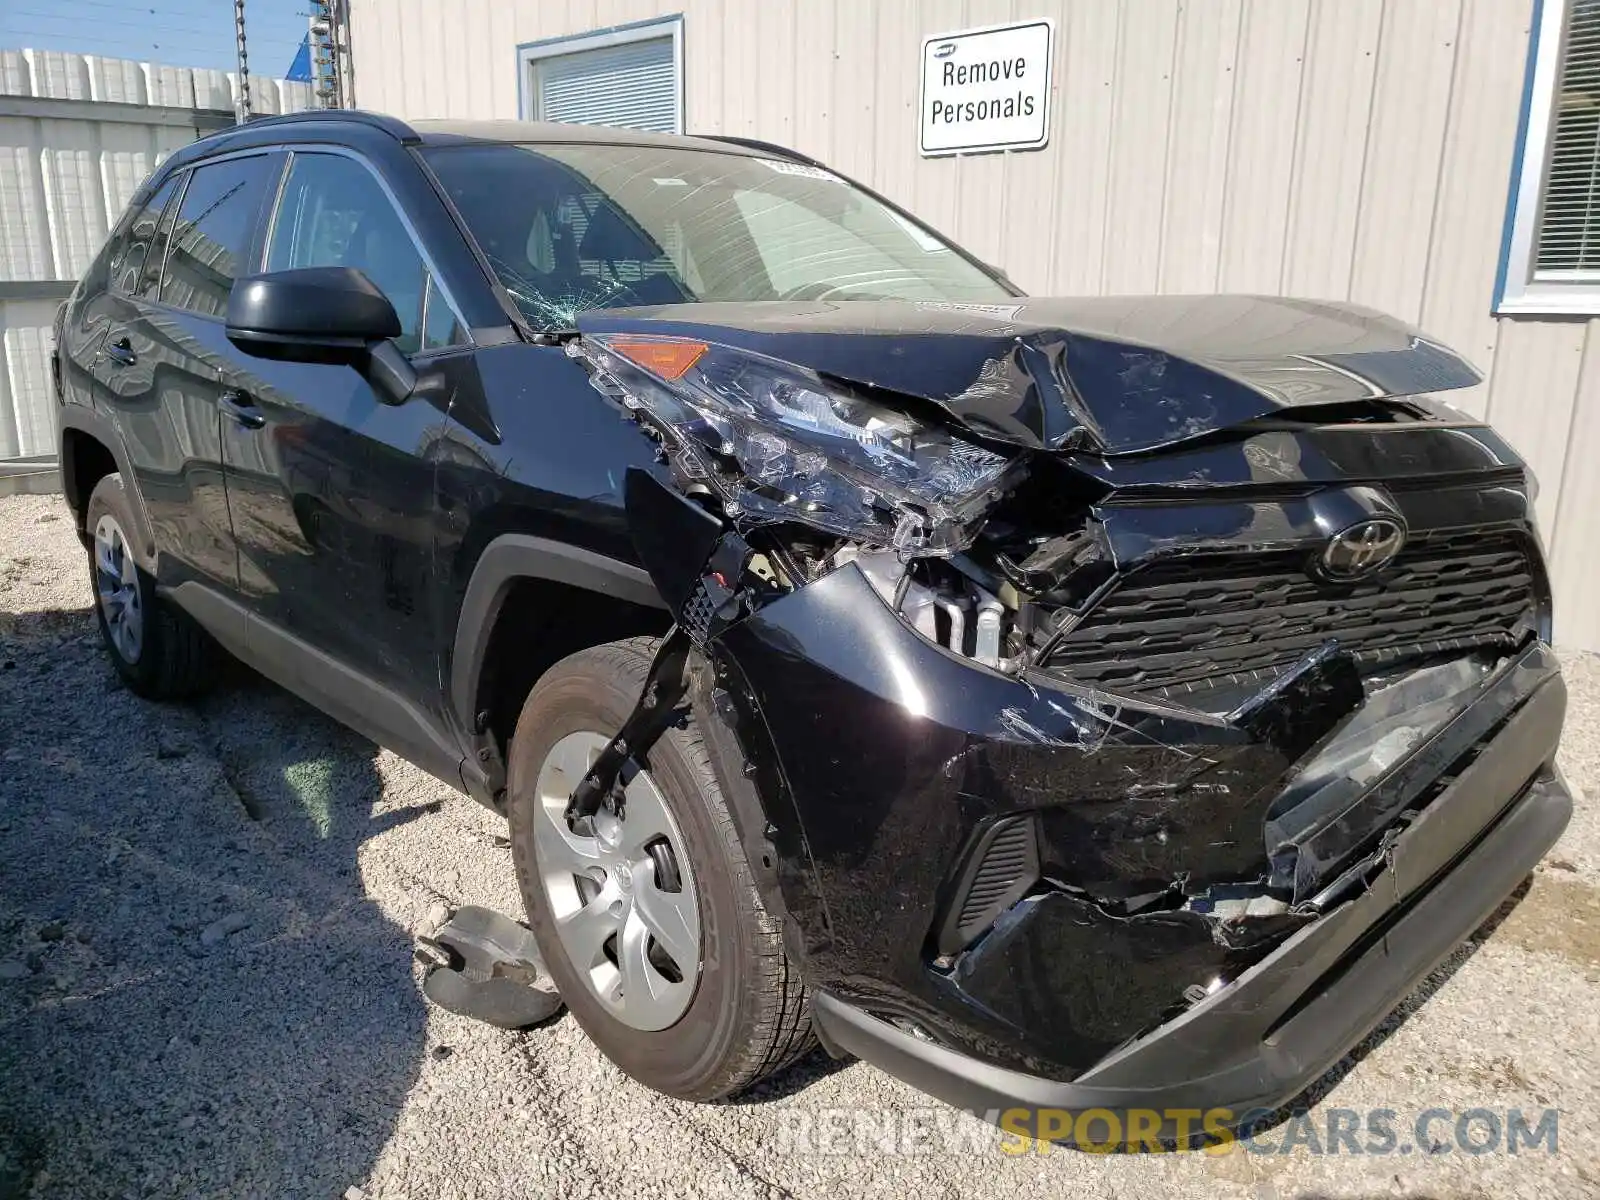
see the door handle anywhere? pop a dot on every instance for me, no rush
(241, 408)
(121, 352)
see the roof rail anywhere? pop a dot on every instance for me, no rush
(767, 147)
(393, 126)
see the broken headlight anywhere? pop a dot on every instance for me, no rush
(778, 443)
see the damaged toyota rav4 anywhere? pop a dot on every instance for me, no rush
(1056, 702)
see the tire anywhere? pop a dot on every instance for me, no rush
(171, 657)
(750, 1013)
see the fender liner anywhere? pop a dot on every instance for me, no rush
(514, 556)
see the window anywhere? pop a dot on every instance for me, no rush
(569, 227)
(803, 251)
(156, 259)
(211, 238)
(440, 328)
(1552, 257)
(630, 77)
(128, 264)
(335, 213)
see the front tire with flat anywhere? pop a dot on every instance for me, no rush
(157, 649)
(651, 925)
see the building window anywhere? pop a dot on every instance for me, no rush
(630, 76)
(1551, 263)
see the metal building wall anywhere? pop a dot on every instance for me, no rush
(78, 133)
(1350, 149)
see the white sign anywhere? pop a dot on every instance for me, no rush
(986, 89)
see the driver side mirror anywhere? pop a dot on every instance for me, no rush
(322, 315)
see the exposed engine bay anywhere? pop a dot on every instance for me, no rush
(1264, 646)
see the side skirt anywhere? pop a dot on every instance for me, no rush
(365, 705)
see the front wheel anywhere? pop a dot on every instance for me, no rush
(650, 924)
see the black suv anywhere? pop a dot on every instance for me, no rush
(1115, 702)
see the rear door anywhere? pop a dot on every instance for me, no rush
(331, 490)
(153, 375)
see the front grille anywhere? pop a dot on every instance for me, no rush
(1203, 620)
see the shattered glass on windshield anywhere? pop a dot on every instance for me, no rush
(569, 228)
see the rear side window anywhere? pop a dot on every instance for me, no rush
(129, 261)
(334, 213)
(150, 277)
(212, 235)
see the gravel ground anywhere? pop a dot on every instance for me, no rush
(205, 986)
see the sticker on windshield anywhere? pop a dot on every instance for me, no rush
(804, 169)
(1005, 312)
(669, 182)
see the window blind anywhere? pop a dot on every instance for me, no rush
(633, 86)
(1569, 223)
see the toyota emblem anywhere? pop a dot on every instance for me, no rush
(1365, 547)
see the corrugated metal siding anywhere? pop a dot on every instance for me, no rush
(63, 184)
(1349, 149)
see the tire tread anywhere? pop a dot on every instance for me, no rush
(783, 1021)
(777, 1019)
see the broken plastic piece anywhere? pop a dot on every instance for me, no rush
(482, 964)
(779, 443)
(1235, 903)
(664, 687)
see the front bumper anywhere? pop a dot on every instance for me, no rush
(880, 760)
(1287, 1020)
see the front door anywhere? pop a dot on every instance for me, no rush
(331, 489)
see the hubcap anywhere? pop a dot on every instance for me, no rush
(631, 931)
(116, 582)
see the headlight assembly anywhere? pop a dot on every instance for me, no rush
(778, 443)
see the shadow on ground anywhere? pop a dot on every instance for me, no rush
(196, 997)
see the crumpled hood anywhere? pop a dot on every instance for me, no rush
(1114, 374)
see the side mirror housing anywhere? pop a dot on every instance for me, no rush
(325, 315)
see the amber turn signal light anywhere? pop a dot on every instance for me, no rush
(666, 358)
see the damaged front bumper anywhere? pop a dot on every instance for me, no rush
(1262, 1039)
(1015, 890)
(1168, 931)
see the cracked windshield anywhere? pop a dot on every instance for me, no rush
(612, 226)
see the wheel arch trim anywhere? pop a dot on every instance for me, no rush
(81, 421)
(512, 557)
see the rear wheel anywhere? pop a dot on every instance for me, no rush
(650, 924)
(157, 649)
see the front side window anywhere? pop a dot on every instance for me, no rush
(334, 213)
(568, 228)
(128, 264)
(440, 326)
(211, 237)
